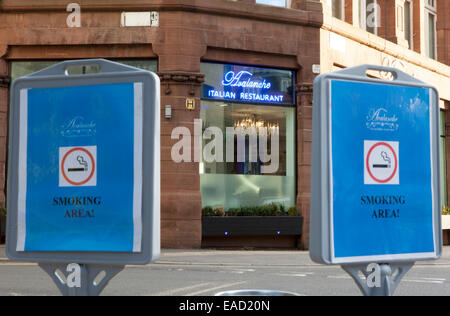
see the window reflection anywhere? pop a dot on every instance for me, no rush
(277, 3)
(242, 183)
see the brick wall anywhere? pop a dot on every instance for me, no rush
(443, 31)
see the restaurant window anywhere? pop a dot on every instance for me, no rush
(276, 3)
(254, 168)
(430, 28)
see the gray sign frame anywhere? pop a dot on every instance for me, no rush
(321, 199)
(57, 76)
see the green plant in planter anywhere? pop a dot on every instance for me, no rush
(2, 211)
(219, 211)
(232, 212)
(292, 211)
(263, 210)
(209, 211)
(445, 210)
(272, 209)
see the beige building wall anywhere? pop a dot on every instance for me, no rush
(344, 45)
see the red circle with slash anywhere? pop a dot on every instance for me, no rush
(92, 171)
(368, 165)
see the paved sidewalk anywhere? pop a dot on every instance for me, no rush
(224, 257)
(237, 257)
(245, 257)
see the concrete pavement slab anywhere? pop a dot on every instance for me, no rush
(245, 257)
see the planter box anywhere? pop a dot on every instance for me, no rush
(252, 226)
(445, 221)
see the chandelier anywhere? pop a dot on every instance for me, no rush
(253, 122)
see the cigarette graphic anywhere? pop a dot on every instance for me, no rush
(82, 162)
(386, 158)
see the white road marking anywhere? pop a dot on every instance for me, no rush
(178, 290)
(435, 279)
(241, 271)
(215, 288)
(341, 276)
(295, 274)
(425, 280)
(12, 264)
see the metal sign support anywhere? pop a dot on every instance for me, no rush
(93, 278)
(390, 276)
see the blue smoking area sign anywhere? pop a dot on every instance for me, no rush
(90, 169)
(80, 169)
(375, 186)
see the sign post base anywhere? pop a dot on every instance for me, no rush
(92, 278)
(390, 276)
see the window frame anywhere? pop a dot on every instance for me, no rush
(431, 6)
(342, 5)
(410, 40)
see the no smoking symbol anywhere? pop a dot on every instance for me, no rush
(381, 162)
(78, 166)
